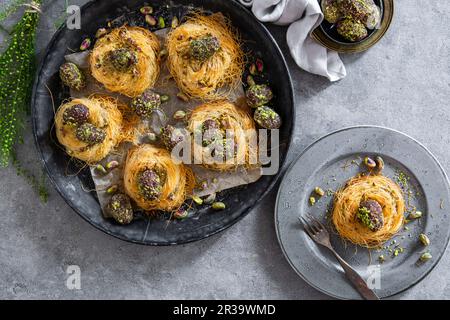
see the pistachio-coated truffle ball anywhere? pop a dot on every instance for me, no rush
(267, 118)
(171, 136)
(72, 76)
(123, 59)
(258, 95)
(76, 115)
(120, 208)
(210, 131)
(357, 10)
(90, 134)
(149, 184)
(203, 48)
(224, 149)
(330, 9)
(146, 103)
(351, 30)
(370, 214)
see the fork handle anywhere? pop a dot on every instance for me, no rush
(358, 282)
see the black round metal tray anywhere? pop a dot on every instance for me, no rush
(71, 182)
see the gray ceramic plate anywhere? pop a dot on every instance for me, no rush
(328, 163)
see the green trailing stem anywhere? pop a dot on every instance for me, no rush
(7, 9)
(17, 67)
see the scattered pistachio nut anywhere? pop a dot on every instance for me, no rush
(425, 256)
(312, 201)
(85, 44)
(112, 189)
(259, 65)
(215, 180)
(150, 20)
(112, 165)
(218, 206)
(182, 96)
(180, 214)
(175, 22)
(151, 136)
(101, 32)
(379, 163)
(163, 53)
(415, 215)
(319, 191)
(204, 185)
(146, 10)
(161, 23)
(370, 163)
(164, 98)
(252, 69)
(381, 259)
(250, 80)
(210, 199)
(424, 239)
(179, 115)
(101, 169)
(197, 200)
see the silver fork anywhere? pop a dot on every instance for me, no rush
(319, 234)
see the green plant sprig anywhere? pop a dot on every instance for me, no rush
(7, 9)
(17, 67)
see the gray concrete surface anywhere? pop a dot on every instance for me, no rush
(402, 83)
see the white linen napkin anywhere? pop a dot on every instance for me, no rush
(303, 16)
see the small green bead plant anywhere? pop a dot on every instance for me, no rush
(17, 69)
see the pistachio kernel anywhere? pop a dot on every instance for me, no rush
(179, 115)
(424, 239)
(210, 199)
(101, 32)
(204, 185)
(415, 215)
(259, 65)
(150, 20)
(250, 80)
(425, 257)
(180, 214)
(146, 10)
(218, 206)
(164, 98)
(100, 169)
(151, 136)
(312, 201)
(161, 23)
(370, 163)
(252, 69)
(319, 191)
(197, 200)
(163, 53)
(85, 44)
(182, 96)
(112, 189)
(379, 163)
(175, 22)
(112, 165)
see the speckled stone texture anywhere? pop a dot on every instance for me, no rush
(403, 83)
